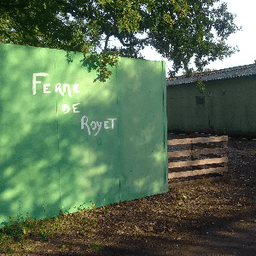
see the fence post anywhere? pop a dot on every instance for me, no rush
(225, 146)
(192, 156)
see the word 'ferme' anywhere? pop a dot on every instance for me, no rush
(65, 88)
(93, 125)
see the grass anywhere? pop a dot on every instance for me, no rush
(16, 235)
(95, 246)
(181, 202)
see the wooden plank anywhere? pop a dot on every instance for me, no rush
(174, 175)
(197, 162)
(196, 152)
(197, 140)
(208, 145)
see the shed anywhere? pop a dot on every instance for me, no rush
(227, 105)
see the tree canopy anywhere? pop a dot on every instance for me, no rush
(180, 30)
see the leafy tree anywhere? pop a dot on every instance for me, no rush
(180, 30)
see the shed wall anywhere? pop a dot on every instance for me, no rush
(226, 105)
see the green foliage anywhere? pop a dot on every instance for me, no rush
(94, 247)
(100, 63)
(180, 30)
(200, 86)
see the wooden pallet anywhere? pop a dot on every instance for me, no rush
(213, 149)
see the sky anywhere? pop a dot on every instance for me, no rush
(244, 39)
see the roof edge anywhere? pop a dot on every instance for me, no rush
(233, 72)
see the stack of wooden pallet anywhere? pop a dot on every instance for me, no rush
(205, 155)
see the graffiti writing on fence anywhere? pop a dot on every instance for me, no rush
(71, 90)
(93, 125)
(58, 88)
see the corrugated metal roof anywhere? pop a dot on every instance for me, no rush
(240, 71)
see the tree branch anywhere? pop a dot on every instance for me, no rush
(106, 42)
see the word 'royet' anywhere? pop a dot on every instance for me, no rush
(93, 125)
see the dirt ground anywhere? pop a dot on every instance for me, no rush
(206, 219)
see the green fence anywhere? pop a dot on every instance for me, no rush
(66, 141)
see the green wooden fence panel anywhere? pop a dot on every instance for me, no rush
(67, 141)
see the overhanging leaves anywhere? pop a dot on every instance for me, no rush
(180, 30)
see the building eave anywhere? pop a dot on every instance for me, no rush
(227, 73)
